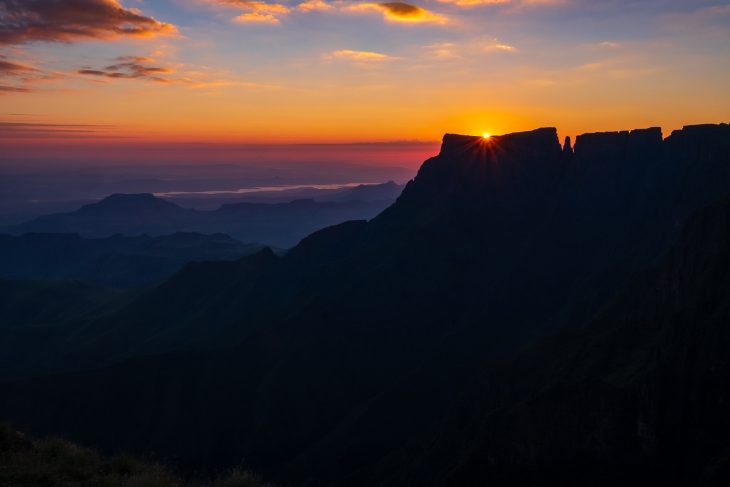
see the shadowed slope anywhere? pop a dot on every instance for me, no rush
(321, 364)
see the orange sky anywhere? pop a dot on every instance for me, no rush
(290, 72)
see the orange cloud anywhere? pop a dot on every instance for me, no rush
(314, 6)
(515, 4)
(497, 46)
(400, 12)
(273, 8)
(474, 3)
(71, 20)
(257, 18)
(359, 55)
(256, 11)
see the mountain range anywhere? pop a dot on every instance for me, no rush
(526, 313)
(281, 224)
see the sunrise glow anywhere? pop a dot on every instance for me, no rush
(219, 71)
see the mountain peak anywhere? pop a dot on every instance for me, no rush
(456, 144)
(131, 202)
(495, 167)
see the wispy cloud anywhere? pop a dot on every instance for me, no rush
(131, 67)
(10, 68)
(24, 131)
(360, 56)
(609, 45)
(47, 128)
(13, 89)
(513, 4)
(475, 3)
(441, 50)
(497, 46)
(254, 11)
(315, 6)
(257, 18)
(18, 77)
(465, 50)
(151, 69)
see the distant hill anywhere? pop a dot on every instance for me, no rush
(371, 192)
(526, 313)
(388, 191)
(113, 261)
(277, 224)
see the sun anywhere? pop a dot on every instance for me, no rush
(486, 135)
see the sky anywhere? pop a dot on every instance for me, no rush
(84, 73)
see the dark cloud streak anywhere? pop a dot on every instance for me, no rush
(13, 89)
(10, 68)
(40, 129)
(130, 67)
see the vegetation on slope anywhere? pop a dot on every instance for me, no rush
(54, 462)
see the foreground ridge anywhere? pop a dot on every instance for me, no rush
(442, 342)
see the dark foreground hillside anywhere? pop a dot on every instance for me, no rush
(639, 396)
(54, 463)
(115, 261)
(524, 314)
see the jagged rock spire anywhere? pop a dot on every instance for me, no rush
(567, 147)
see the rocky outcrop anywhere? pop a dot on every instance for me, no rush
(340, 362)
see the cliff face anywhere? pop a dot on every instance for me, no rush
(498, 170)
(638, 397)
(344, 356)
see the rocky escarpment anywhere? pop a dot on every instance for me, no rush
(637, 397)
(338, 363)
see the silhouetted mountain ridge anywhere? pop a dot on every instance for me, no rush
(342, 361)
(277, 224)
(146, 202)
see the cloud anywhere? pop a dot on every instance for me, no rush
(441, 50)
(23, 21)
(475, 3)
(131, 67)
(315, 6)
(273, 8)
(4, 89)
(257, 18)
(149, 69)
(18, 76)
(399, 12)
(352, 55)
(517, 4)
(609, 45)
(255, 11)
(496, 46)
(10, 68)
(39, 128)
